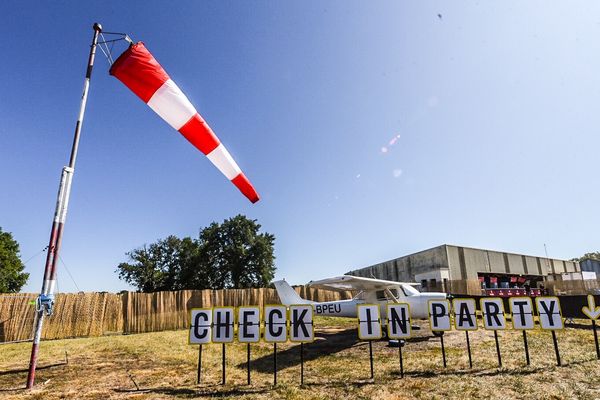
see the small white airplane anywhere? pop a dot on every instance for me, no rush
(370, 291)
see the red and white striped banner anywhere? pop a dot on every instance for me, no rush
(141, 73)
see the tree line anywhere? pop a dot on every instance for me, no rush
(12, 277)
(233, 254)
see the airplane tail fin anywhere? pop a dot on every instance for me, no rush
(288, 295)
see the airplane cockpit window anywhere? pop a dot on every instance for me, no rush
(409, 290)
(360, 295)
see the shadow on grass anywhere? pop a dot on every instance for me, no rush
(22, 370)
(523, 371)
(332, 343)
(19, 389)
(576, 325)
(342, 384)
(212, 391)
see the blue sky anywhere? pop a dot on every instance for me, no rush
(371, 129)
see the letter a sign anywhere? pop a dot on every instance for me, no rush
(465, 314)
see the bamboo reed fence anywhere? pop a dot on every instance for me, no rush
(96, 314)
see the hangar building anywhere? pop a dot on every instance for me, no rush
(466, 270)
(590, 265)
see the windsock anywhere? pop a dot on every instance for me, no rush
(145, 77)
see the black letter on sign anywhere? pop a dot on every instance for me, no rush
(197, 325)
(219, 324)
(246, 323)
(398, 322)
(465, 316)
(521, 305)
(299, 322)
(437, 311)
(492, 314)
(279, 331)
(549, 312)
(369, 321)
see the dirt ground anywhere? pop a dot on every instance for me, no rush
(162, 365)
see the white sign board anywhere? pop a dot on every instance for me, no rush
(275, 324)
(248, 324)
(301, 323)
(549, 311)
(369, 324)
(398, 321)
(222, 331)
(439, 315)
(200, 331)
(492, 309)
(591, 311)
(521, 311)
(465, 314)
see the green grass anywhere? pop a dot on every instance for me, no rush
(163, 365)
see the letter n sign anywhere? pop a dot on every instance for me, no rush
(439, 315)
(493, 313)
(465, 314)
(369, 324)
(301, 323)
(275, 324)
(521, 311)
(549, 312)
(398, 321)
(223, 324)
(248, 324)
(200, 331)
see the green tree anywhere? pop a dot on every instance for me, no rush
(235, 255)
(12, 277)
(229, 255)
(593, 256)
(156, 266)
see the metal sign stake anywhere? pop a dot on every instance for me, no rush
(498, 349)
(526, 347)
(248, 362)
(443, 350)
(469, 349)
(401, 361)
(199, 376)
(274, 364)
(596, 339)
(558, 362)
(223, 366)
(371, 358)
(301, 364)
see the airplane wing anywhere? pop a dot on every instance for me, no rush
(349, 282)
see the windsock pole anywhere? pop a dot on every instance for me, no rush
(45, 301)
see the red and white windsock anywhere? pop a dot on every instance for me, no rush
(141, 73)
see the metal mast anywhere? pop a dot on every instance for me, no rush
(45, 301)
